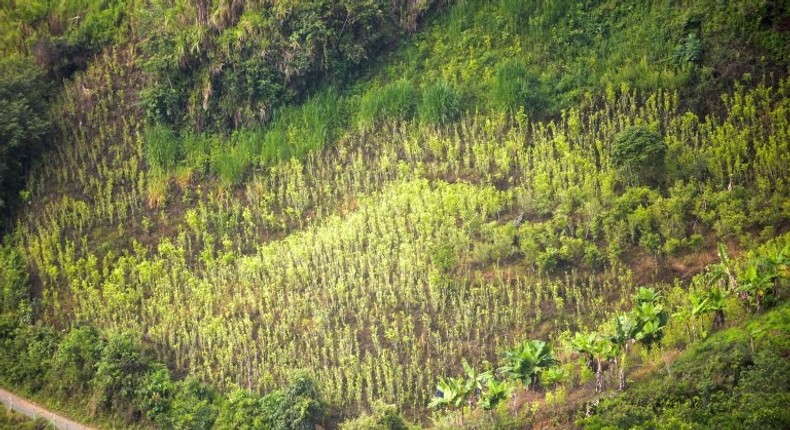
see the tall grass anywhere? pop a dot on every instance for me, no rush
(394, 101)
(515, 87)
(297, 131)
(440, 104)
(163, 150)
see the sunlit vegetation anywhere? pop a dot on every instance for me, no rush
(272, 215)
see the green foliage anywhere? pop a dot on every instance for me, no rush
(638, 154)
(496, 393)
(302, 407)
(440, 104)
(28, 355)
(119, 374)
(383, 417)
(245, 410)
(76, 360)
(233, 66)
(155, 395)
(734, 379)
(24, 126)
(526, 360)
(392, 102)
(14, 294)
(163, 149)
(193, 406)
(515, 88)
(296, 132)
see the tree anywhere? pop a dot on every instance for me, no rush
(24, 125)
(638, 154)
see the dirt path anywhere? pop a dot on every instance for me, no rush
(30, 409)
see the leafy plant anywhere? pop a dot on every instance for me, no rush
(638, 154)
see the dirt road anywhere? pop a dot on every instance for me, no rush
(28, 408)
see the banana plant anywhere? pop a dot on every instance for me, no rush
(626, 331)
(450, 393)
(526, 360)
(652, 319)
(603, 350)
(496, 392)
(756, 285)
(475, 382)
(583, 343)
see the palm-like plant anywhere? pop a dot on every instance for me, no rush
(603, 350)
(450, 393)
(526, 360)
(711, 300)
(475, 382)
(756, 285)
(626, 330)
(496, 393)
(553, 376)
(583, 343)
(652, 318)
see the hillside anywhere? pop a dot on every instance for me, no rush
(464, 214)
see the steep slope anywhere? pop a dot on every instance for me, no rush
(473, 189)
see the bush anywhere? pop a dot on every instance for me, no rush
(440, 104)
(119, 374)
(394, 101)
(244, 410)
(193, 406)
(638, 154)
(13, 281)
(302, 407)
(74, 364)
(31, 348)
(384, 417)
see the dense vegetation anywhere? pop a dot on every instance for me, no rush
(277, 214)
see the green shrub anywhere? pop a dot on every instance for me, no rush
(163, 149)
(302, 407)
(156, 395)
(245, 410)
(440, 104)
(74, 364)
(384, 417)
(394, 101)
(13, 281)
(120, 372)
(638, 154)
(193, 406)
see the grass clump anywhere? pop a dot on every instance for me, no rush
(514, 87)
(440, 104)
(163, 150)
(297, 131)
(396, 100)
